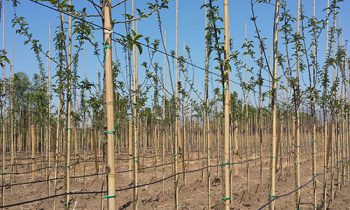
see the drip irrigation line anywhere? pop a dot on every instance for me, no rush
(95, 174)
(53, 196)
(158, 181)
(117, 172)
(35, 170)
(120, 189)
(88, 160)
(276, 197)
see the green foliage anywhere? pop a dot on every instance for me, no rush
(3, 58)
(132, 40)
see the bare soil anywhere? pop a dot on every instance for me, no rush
(160, 194)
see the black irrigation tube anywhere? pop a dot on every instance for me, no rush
(288, 193)
(89, 175)
(52, 196)
(158, 181)
(120, 189)
(119, 172)
(45, 161)
(79, 162)
(99, 174)
(298, 188)
(90, 159)
(38, 169)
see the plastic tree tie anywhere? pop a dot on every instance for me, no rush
(226, 198)
(273, 197)
(226, 164)
(109, 196)
(107, 46)
(109, 132)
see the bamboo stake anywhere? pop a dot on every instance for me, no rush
(33, 150)
(135, 117)
(273, 107)
(3, 107)
(313, 97)
(12, 144)
(130, 129)
(347, 64)
(325, 140)
(176, 134)
(68, 114)
(49, 109)
(58, 136)
(259, 117)
(246, 98)
(110, 132)
(297, 117)
(227, 164)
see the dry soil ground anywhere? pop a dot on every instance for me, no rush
(160, 195)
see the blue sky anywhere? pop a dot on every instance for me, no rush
(191, 31)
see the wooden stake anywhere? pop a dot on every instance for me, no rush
(176, 139)
(110, 132)
(49, 109)
(68, 114)
(227, 164)
(273, 107)
(3, 107)
(33, 151)
(206, 112)
(314, 147)
(135, 117)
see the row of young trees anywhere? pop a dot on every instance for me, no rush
(225, 126)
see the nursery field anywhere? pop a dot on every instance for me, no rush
(174, 104)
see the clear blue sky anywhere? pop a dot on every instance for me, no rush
(191, 30)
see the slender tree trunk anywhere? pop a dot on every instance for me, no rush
(325, 131)
(206, 112)
(164, 128)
